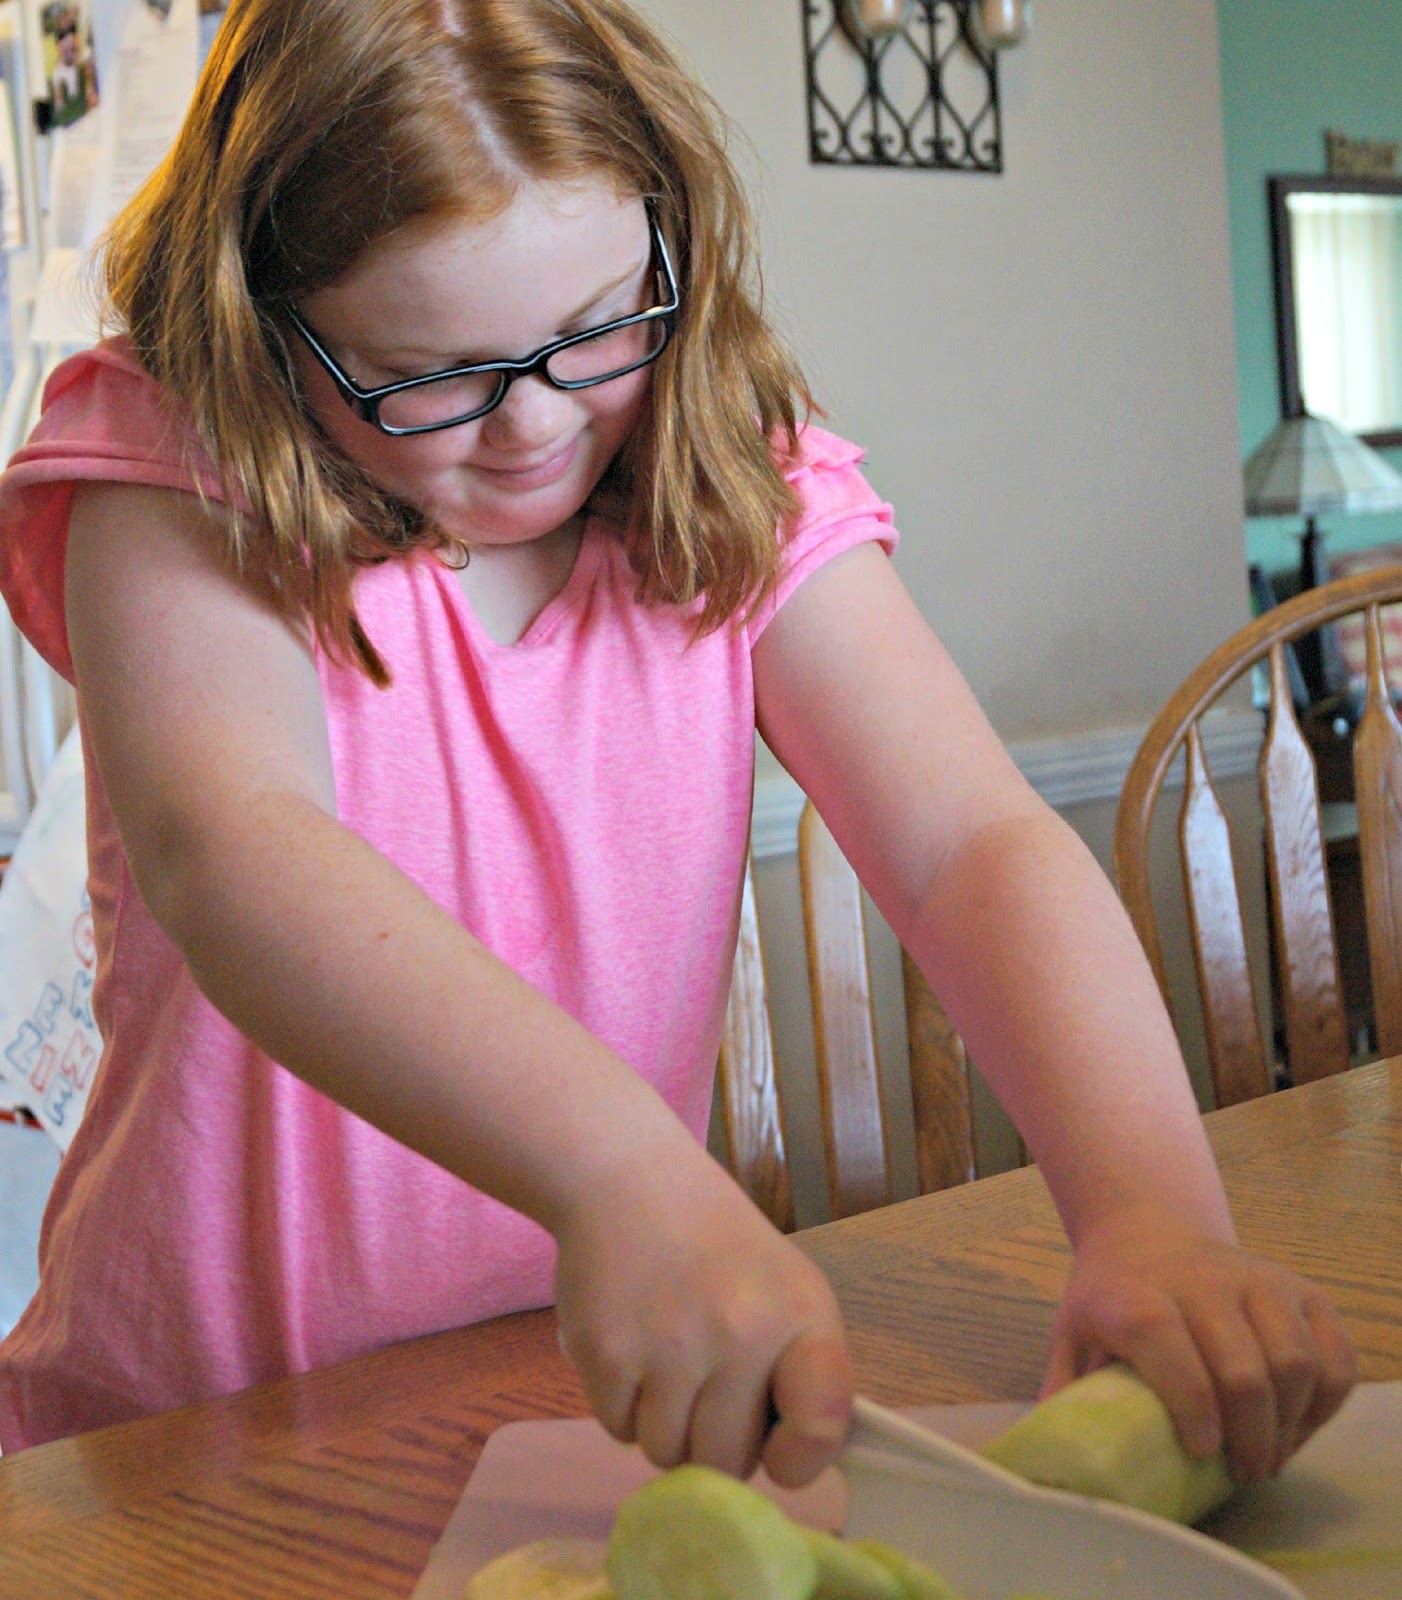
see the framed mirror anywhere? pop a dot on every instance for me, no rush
(1337, 245)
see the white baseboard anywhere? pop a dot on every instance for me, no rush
(1076, 770)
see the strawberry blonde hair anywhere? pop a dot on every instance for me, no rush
(322, 126)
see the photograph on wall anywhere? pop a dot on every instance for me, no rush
(70, 66)
(12, 99)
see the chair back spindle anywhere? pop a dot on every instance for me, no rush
(1377, 755)
(1324, 1006)
(941, 1096)
(1219, 936)
(844, 1036)
(856, 1151)
(746, 1082)
(1310, 984)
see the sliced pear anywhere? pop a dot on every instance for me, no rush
(548, 1569)
(915, 1579)
(1110, 1436)
(697, 1534)
(847, 1572)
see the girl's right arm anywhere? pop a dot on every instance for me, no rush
(686, 1313)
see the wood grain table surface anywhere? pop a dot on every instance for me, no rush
(335, 1485)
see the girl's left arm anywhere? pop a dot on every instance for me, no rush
(1023, 938)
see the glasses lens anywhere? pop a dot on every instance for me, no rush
(610, 351)
(442, 400)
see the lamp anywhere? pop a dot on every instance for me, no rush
(1308, 465)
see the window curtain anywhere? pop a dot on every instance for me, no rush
(1348, 307)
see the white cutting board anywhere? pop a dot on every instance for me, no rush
(1325, 1521)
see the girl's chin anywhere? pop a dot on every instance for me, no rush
(511, 517)
(483, 526)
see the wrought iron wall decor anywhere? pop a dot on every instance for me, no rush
(923, 96)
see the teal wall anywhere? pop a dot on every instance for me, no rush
(1291, 69)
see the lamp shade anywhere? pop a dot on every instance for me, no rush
(1309, 464)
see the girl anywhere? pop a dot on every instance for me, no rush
(426, 550)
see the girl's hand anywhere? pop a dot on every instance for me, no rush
(694, 1323)
(1244, 1353)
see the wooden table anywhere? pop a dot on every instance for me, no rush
(336, 1485)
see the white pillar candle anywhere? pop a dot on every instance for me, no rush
(1004, 22)
(879, 16)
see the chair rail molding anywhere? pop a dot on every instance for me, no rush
(1076, 769)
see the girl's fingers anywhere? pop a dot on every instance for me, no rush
(1168, 1357)
(1063, 1365)
(680, 1356)
(611, 1383)
(1338, 1364)
(1292, 1361)
(1074, 1353)
(1245, 1392)
(662, 1420)
(616, 1408)
(811, 1390)
(1284, 1370)
(729, 1420)
(1246, 1356)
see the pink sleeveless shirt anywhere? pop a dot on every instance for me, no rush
(579, 800)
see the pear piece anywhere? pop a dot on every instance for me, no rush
(1110, 1436)
(548, 1569)
(697, 1534)
(915, 1580)
(847, 1572)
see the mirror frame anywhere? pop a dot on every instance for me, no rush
(1280, 189)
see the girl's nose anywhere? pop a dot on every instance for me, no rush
(533, 414)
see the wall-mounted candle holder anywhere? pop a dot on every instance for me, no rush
(901, 83)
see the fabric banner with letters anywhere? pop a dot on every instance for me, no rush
(49, 1044)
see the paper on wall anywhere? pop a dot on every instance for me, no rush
(66, 296)
(66, 300)
(75, 165)
(100, 162)
(153, 79)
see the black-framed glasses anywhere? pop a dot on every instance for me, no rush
(462, 394)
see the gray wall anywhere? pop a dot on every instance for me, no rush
(1041, 365)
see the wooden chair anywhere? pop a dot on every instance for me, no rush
(1304, 947)
(854, 1135)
